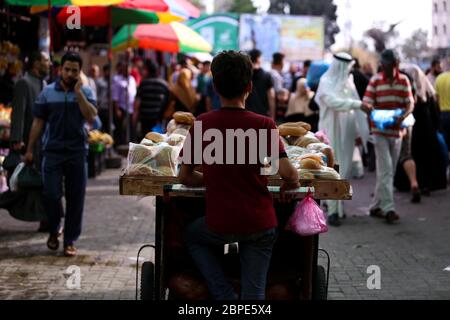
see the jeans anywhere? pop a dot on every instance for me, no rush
(387, 152)
(255, 252)
(72, 171)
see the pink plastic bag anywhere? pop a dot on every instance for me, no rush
(322, 136)
(308, 219)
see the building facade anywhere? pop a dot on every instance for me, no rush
(441, 25)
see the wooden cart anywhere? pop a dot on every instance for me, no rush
(154, 277)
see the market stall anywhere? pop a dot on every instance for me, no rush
(99, 143)
(294, 273)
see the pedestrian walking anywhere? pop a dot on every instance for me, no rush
(26, 91)
(388, 90)
(62, 110)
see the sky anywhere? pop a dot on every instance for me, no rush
(414, 14)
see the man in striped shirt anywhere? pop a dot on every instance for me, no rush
(388, 90)
(151, 99)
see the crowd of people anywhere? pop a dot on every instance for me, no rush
(335, 98)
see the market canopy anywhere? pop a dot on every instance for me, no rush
(119, 12)
(173, 37)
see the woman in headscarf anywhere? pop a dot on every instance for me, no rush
(183, 95)
(425, 148)
(342, 119)
(298, 107)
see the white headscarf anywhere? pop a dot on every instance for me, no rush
(424, 88)
(337, 80)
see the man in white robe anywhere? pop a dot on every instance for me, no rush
(342, 119)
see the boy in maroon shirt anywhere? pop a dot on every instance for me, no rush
(233, 146)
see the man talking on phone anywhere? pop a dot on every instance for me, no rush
(61, 112)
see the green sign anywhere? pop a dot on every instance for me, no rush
(220, 30)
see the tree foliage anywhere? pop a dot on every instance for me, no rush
(242, 6)
(414, 47)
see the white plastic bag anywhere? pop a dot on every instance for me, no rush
(14, 181)
(159, 160)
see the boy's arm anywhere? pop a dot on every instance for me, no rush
(290, 179)
(189, 177)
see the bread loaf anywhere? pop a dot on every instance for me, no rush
(300, 124)
(286, 131)
(310, 164)
(184, 117)
(176, 139)
(306, 140)
(313, 156)
(139, 169)
(155, 137)
(305, 175)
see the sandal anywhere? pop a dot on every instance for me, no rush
(53, 242)
(70, 251)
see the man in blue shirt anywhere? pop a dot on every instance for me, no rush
(62, 110)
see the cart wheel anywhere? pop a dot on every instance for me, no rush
(148, 281)
(320, 284)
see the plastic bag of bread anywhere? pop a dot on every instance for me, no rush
(306, 140)
(317, 157)
(148, 143)
(161, 160)
(326, 150)
(155, 137)
(176, 139)
(174, 127)
(295, 152)
(324, 173)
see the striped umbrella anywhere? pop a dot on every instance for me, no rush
(173, 37)
(117, 12)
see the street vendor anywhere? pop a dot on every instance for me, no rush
(62, 110)
(239, 207)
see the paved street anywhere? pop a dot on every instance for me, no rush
(114, 229)
(411, 255)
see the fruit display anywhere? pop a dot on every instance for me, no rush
(5, 122)
(98, 137)
(9, 58)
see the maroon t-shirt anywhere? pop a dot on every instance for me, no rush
(237, 198)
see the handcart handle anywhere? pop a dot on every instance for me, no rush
(179, 188)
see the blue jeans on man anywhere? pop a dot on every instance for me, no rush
(71, 170)
(255, 252)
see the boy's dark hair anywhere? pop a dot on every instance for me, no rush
(307, 64)
(232, 72)
(277, 58)
(254, 54)
(72, 57)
